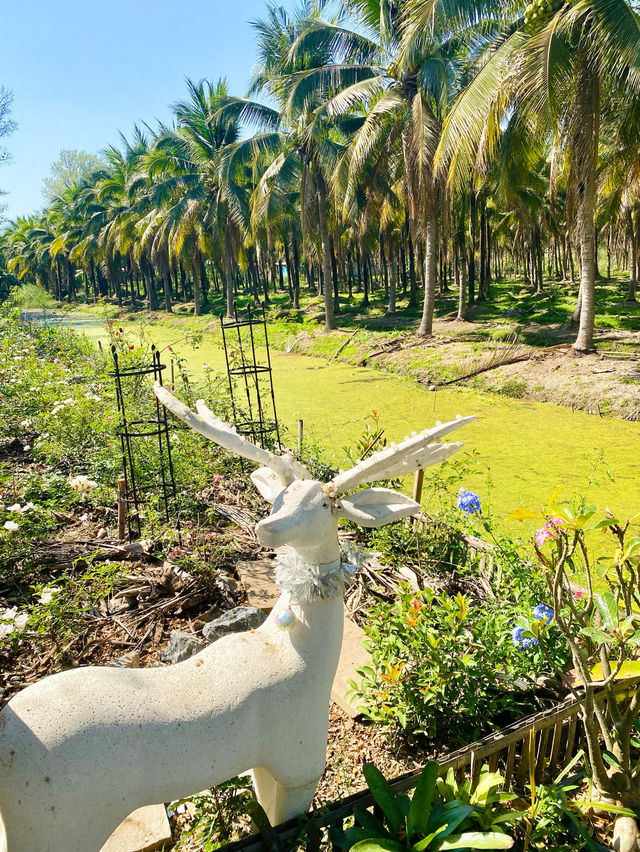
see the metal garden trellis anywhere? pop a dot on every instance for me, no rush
(153, 427)
(251, 401)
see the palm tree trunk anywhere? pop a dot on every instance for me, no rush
(413, 284)
(633, 260)
(487, 273)
(586, 142)
(365, 279)
(393, 285)
(321, 192)
(196, 290)
(430, 261)
(228, 283)
(461, 269)
(166, 283)
(483, 251)
(295, 271)
(334, 277)
(472, 248)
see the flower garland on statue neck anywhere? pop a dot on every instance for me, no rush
(306, 582)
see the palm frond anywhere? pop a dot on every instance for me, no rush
(323, 37)
(472, 128)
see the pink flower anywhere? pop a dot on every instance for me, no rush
(549, 530)
(218, 477)
(543, 534)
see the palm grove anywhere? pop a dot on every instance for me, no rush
(412, 145)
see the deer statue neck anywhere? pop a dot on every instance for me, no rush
(305, 579)
(323, 556)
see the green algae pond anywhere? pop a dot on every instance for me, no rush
(522, 449)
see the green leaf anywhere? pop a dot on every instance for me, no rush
(478, 840)
(405, 804)
(384, 796)
(600, 806)
(611, 759)
(602, 524)
(381, 845)
(370, 823)
(454, 815)
(566, 515)
(366, 671)
(488, 783)
(420, 809)
(426, 841)
(608, 608)
(632, 548)
(596, 635)
(584, 517)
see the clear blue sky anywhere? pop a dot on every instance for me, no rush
(82, 70)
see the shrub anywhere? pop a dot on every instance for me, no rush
(446, 666)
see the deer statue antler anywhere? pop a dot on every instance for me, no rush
(285, 467)
(402, 459)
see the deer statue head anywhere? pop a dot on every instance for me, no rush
(305, 513)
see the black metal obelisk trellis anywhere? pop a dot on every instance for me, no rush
(152, 428)
(250, 383)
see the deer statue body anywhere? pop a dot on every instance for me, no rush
(82, 749)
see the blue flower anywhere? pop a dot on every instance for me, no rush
(543, 613)
(519, 639)
(468, 502)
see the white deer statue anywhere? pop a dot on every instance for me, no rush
(82, 749)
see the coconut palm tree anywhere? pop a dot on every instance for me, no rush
(549, 67)
(302, 79)
(404, 87)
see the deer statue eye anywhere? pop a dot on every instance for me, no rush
(325, 505)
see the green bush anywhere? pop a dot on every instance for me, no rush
(32, 296)
(446, 666)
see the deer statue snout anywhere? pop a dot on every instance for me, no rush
(301, 513)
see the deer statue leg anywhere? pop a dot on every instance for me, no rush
(281, 802)
(288, 782)
(292, 801)
(265, 787)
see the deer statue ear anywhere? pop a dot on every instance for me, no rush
(375, 507)
(268, 483)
